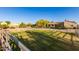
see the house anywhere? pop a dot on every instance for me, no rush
(70, 24)
(56, 24)
(66, 24)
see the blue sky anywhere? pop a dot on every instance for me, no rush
(32, 14)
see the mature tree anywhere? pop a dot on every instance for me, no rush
(8, 22)
(42, 23)
(22, 25)
(4, 25)
(29, 24)
(34, 25)
(0, 24)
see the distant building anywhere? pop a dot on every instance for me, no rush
(65, 24)
(70, 24)
(56, 24)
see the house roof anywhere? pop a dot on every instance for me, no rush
(56, 22)
(70, 21)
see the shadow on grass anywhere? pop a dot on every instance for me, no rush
(44, 42)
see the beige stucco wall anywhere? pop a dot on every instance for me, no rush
(69, 25)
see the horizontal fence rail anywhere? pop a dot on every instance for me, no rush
(6, 37)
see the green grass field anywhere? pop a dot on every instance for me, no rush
(47, 40)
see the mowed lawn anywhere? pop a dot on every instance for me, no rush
(48, 40)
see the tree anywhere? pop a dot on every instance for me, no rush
(22, 25)
(42, 23)
(8, 22)
(0, 24)
(29, 25)
(4, 25)
(33, 25)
